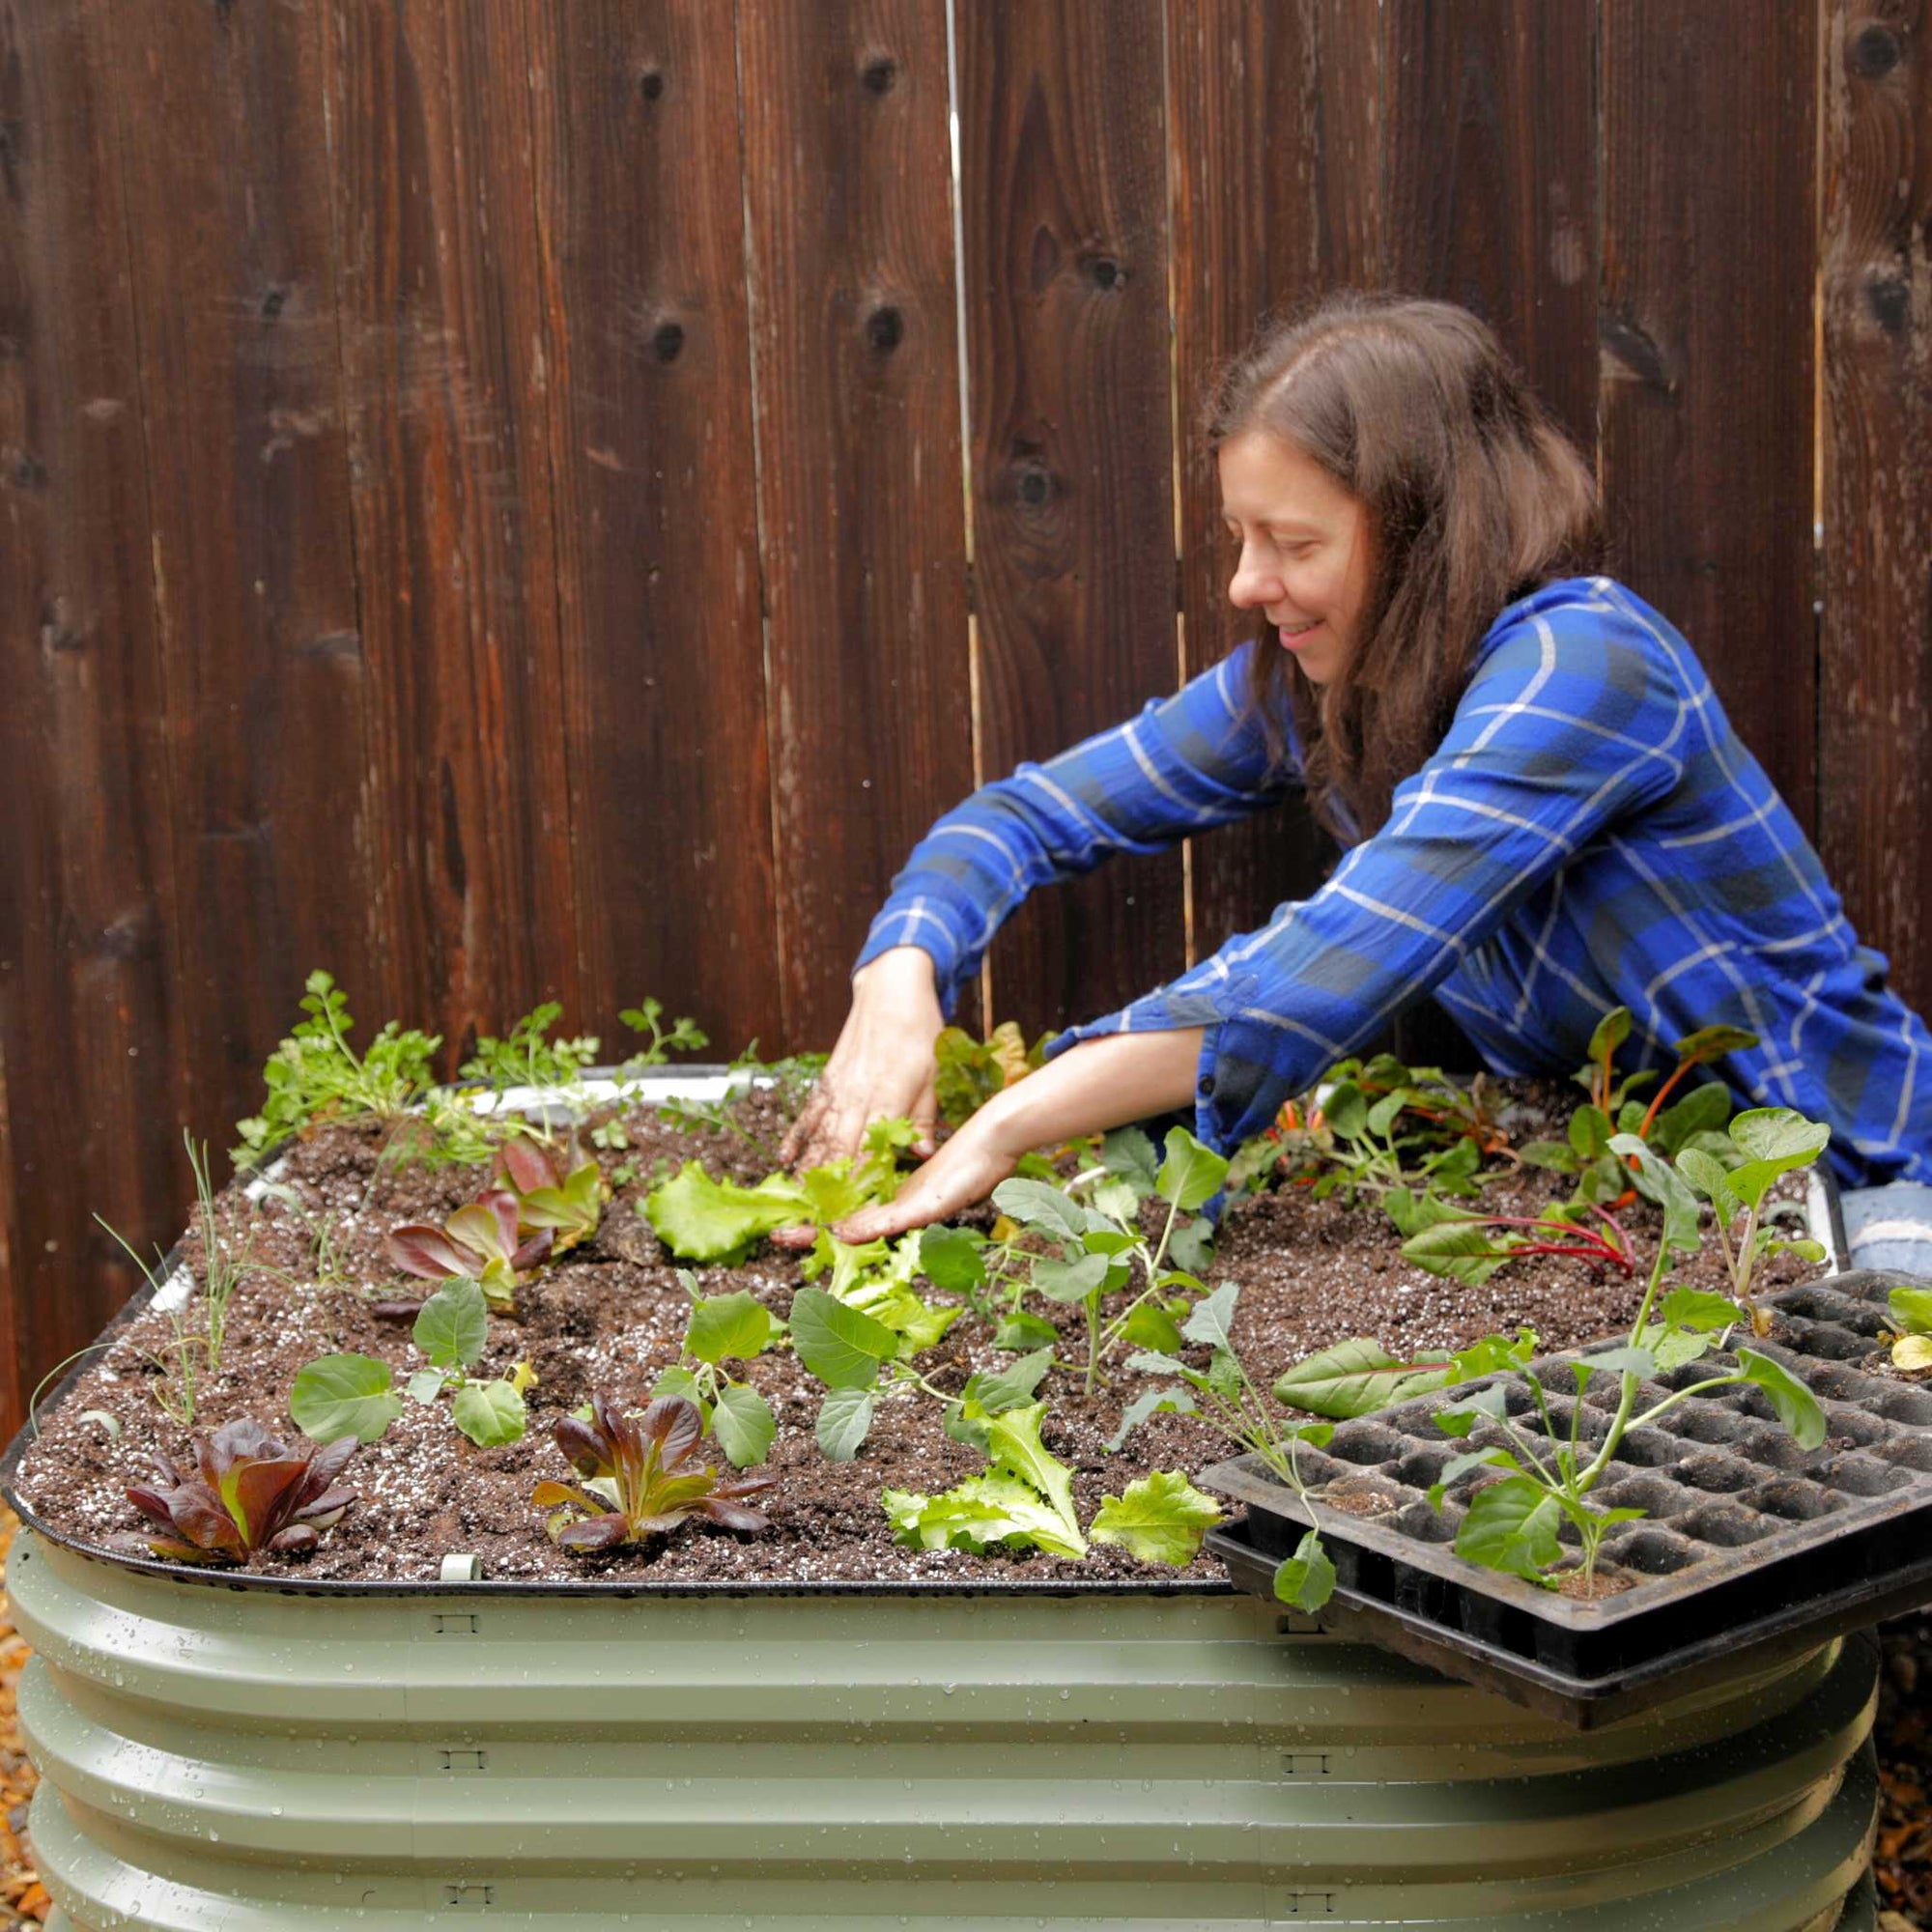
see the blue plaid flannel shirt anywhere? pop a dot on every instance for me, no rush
(1589, 833)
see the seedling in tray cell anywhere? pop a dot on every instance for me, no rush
(1912, 1337)
(643, 1478)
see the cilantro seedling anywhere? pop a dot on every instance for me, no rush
(642, 1477)
(246, 1493)
(527, 1056)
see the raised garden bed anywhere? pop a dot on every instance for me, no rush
(266, 1733)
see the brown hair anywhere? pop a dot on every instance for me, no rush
(1474, 499)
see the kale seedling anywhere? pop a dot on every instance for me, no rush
(1098, 1243)
(451, 1330)
(724, 1327)
(315, 1075)
(479, 1242)
(1766, 1141)
(246, 1493)
(643, 1477)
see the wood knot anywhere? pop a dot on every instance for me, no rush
(885, 329)
(274, 302)
(651, 84)
(1888, 298)
(667, 341)
(1874, 51)
(879, 74)
(1104, 273)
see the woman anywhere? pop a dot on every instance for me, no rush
(1545, 811)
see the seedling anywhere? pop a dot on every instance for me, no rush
(1764, 1142)
(451, 1330)
(551, 1190)
(528, 1056)
(970, 1072)
(245, 1493)
(643, 1478)
(479, 1242)
(1472, 1247)
(1911, 1343)
(724, 1327)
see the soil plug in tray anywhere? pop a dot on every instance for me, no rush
(1749, 1547)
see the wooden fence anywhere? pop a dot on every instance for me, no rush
(522, 498)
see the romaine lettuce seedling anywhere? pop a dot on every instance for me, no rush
(479, 1242)
(553, 1190)
(246, 1493)
(643, 1478)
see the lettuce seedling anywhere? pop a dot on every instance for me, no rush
(1023, 1500)
(724, 1327)
(551, 1190)
(246, 1493)
(315, 1075)
(643, 1477)
(969, 1073)
(479, 1242)
(1766, 1141)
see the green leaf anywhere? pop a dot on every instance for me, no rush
(1036, 1205)
(1346, 1111)
(344, 1395)
(1696, 1309)
(1912, 1309)
(1796, 1406)
(1190, 1174)
(1779, 1136)
(951, 1260)
(489, 1413)
(1512, 1526)
(1589, 1132)
(1014, 1444)
(1149, 1326)
(1704, 1110)
(729, 1325)
(743, 1424)
(1463, 1251)
(1458, 1418)
(1305, 1580)
(425, 1385)
(1026, 1331)
(1191, 1245)
(676, 1381)
(1458, 1466)
(1669, 1189)
(453, 1325)
(1213, 1319)
(699, 1219)
(1709, 1176)
(983, 1510)
(1011, 1387)
(1069, 1281)
(1354, 1377)
(1491, 1354)
(1128, 1155)
(1161, 1518)
(841, 1345)
(1559, 1157)
(1712, 1042)
(1611, 1031)
(1638, 1362)
(1152, 1402)
(844, 1421)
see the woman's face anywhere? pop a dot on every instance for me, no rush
(1305, 549)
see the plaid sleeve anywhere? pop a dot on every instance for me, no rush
(1196, 759)
(1573, 720)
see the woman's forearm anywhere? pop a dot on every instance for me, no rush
(1100, 1084)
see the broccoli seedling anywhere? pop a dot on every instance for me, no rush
(247, 1493)
(477, 1243)
(645, 1477)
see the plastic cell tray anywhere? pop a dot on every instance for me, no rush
(1749, 1547)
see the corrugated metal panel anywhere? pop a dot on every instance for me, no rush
(214, 1759)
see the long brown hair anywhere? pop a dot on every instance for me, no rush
(1474, 499)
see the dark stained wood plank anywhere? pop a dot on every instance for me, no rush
(1707, 338)
(855, 371)
(1063, 207)
(442, 321)
(1296, 89)
(1875, 749)
(87, 922)
(1492, 169)
(639, 198)
(234, 289)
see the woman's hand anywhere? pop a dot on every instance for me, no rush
(965, 1170)
(881, 1067)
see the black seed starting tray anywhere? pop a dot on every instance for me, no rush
(1751, 1549)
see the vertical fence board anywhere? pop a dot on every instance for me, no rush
(638, 197)
(1299, 86)
(1706, 333)
(222, 114)
(1493, 178)
(87, 924)
(857, 373)
(1875, 756)
(448, 436)
(1064, 206)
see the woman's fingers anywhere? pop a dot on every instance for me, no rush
(925, 1119)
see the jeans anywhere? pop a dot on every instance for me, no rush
(1890, 1227)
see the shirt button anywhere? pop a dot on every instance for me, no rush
(1205, 1089)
